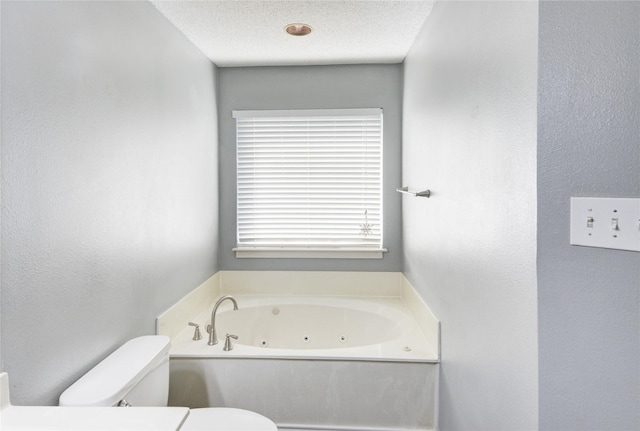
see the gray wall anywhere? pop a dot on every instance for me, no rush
(589, 145)
(469, 134)
(109, 183)
(359, 86)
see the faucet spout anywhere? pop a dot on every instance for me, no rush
(213, 336)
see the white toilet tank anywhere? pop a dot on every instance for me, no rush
(137, 372)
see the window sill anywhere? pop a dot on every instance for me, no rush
(308, 253)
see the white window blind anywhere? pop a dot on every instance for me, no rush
(309, 179)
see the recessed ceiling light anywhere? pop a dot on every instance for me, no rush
(298, 29)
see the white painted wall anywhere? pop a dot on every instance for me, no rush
(1, 367)
(109, 183)
(589, 145)
(469, 134)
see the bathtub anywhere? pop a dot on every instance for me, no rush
(351, 352)
(339, 328)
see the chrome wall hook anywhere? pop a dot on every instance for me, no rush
(422, 194)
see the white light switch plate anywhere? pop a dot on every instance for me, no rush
(606, 223)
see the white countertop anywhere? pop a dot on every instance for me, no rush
(92, 418)
(13, 418)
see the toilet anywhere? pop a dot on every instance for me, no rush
(137, 374)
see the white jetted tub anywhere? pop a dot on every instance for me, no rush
(370, 329)
(352, 352)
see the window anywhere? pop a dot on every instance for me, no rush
(309, 183)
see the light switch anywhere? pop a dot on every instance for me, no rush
(614, 224)
(606, 222)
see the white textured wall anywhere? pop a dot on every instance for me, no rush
(589, 145)
(109, 183)
(1, 367)
(469, 134)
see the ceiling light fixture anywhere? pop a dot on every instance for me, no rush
(298, 29)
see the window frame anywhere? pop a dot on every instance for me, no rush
(301, 251)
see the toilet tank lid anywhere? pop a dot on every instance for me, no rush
(109, 381)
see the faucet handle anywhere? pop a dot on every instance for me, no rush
(227, 342)
(196, 335)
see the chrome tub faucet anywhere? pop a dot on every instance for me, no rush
(213, 337)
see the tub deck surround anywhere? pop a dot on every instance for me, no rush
(313, 394)
(314, 283)
(173, 320)
(389, 321)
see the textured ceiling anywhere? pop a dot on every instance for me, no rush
(251, 32)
